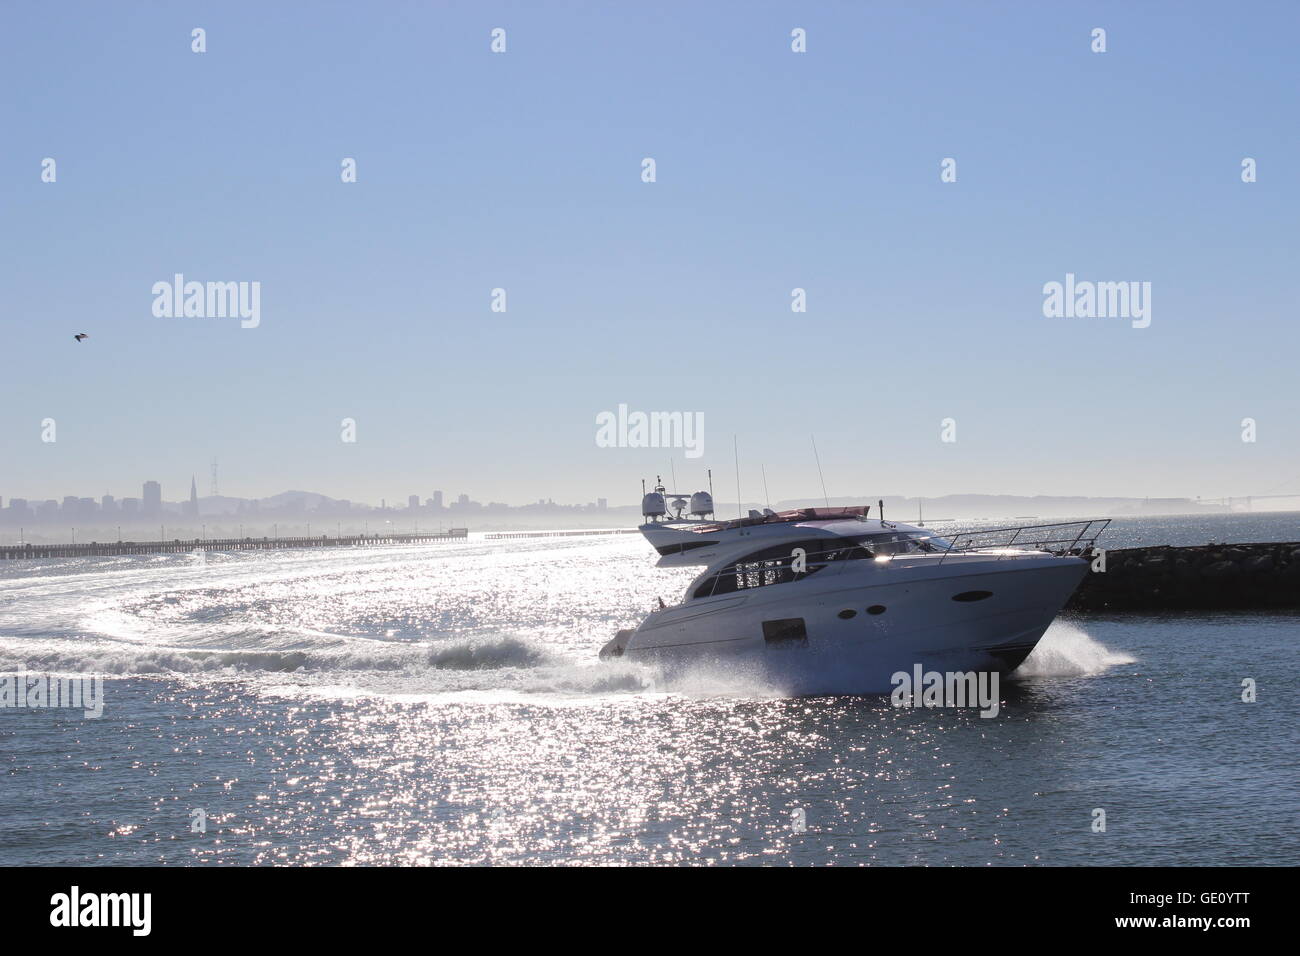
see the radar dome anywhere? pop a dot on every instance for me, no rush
(701, 503)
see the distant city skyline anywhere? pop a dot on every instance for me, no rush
(52, 520)
(151, 504)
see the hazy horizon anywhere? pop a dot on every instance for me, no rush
(812, 497)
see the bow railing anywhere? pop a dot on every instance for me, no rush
(1065, 537)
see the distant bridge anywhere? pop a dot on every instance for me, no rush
(1228, 502)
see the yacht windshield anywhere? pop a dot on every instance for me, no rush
(903, 542)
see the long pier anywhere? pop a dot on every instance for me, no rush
(95, 549)
(555, 534)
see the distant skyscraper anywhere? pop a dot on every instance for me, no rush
(193, 510)
(412, 501)
(108, 504)
(437, 499)
(151, 500)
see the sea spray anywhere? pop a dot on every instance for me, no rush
(1066, 650)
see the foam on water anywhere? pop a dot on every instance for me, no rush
(1066, 650)
(339, 655)
(734, 677)
(487, 652)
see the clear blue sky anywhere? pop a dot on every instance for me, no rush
(775, 170)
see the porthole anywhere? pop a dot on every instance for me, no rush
(847, 613)
(972, 595)
(876, 609)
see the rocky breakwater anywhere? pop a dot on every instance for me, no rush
(1204, 577)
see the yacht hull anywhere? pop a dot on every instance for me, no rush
(847, 631)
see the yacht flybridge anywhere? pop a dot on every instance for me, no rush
(829, 600)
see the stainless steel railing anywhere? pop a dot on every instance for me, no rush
(1065, 537)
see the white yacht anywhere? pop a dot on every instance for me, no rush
(828, 600)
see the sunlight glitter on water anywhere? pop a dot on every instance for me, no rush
(444, 705)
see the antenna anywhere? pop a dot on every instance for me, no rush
(735, 452)
(825, 497)
(765, 492)
(672, 466)
(710, 482)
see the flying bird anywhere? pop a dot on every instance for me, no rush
(81, 335)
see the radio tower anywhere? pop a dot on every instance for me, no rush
(214, 478)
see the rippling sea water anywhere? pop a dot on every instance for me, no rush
(444, 704)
